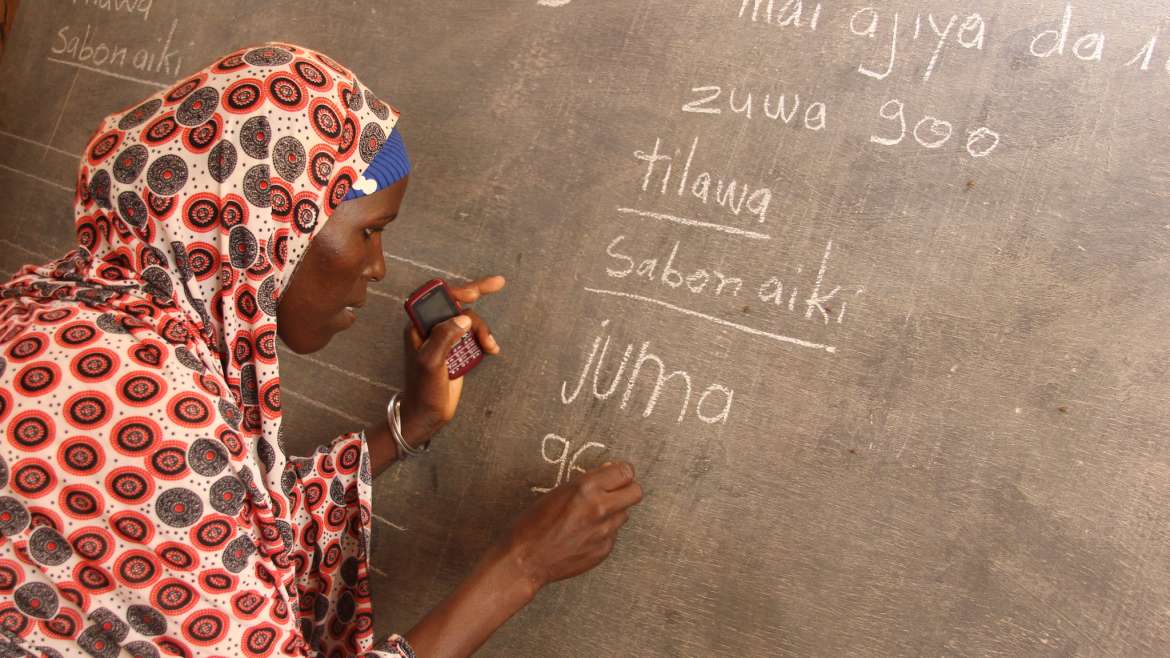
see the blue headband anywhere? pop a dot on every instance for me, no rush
(389, 166)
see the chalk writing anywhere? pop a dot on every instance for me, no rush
(931, 132)
(86, 48)
(729, 194)
(775, 291)
(696, 282)
(566, 465)
(1146, 53)
(943, 32)
(1088, 47)
(968, 33)
(789, 14)
(116, 6)
(713, 405)
(785, 107)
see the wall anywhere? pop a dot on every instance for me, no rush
(926, 410)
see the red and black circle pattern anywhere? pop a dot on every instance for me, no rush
(140, 454)
(81, 455)
(206, 627)
(27, 347)
(137, 568)
(88, 410)
(160, 131)
(77, 334)
(37, 378)
(92, 543)
(244, 96)
(141, 388)
(81, 501)
(31, 430)
(180, 557)
(94, 365)
(286, 91)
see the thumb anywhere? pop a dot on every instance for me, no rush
(442, 340)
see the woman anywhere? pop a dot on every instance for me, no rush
(145, 503)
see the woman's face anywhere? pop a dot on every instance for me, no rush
(329, 286)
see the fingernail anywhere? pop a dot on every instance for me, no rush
(463, 321)
(607, 463)
(492, 344)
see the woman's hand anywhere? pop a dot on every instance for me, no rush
(431, 397)
(573, 527)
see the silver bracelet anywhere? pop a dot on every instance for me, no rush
(394, 419)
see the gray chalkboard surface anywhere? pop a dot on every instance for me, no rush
(874, 297)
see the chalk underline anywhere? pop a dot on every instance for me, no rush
(387, 295)
(339, 369)
(694, 222)
(71, 154)
(46, 181)
(388, 522)
(424, 266)
(285, 390)
(111, 74)
(720, 321)
(26, 250)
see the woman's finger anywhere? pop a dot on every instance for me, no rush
(433, 352)
(413, 338)
(625, 497)
(483, 333)
(615, 522)
(612, 475)
(470, 292)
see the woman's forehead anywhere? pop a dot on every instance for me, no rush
(383, 203)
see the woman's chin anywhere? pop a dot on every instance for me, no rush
(307, 343)
(303, 339)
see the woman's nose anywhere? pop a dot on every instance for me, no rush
(376, 268)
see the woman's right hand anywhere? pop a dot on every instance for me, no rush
(572, 528)
(568, 531)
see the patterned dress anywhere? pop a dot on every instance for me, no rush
(146, 507)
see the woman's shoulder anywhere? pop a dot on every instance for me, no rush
(116, 357)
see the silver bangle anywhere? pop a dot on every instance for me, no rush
(394, 419)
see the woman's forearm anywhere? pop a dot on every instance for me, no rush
(383, 450)
(496, 590)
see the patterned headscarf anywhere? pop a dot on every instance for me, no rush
(192, 211)
(212, 191)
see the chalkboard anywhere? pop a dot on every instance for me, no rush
(874, 297)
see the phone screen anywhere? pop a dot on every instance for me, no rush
(434, 308)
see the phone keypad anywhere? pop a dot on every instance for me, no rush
(463, 356)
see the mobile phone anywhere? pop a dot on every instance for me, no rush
(431, 304)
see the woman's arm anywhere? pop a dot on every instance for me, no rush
(496, 589)
(565, 533)
(430, 398)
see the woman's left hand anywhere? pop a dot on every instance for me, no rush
(431, 396)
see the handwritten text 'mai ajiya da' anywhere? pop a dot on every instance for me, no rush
(1061, 36)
